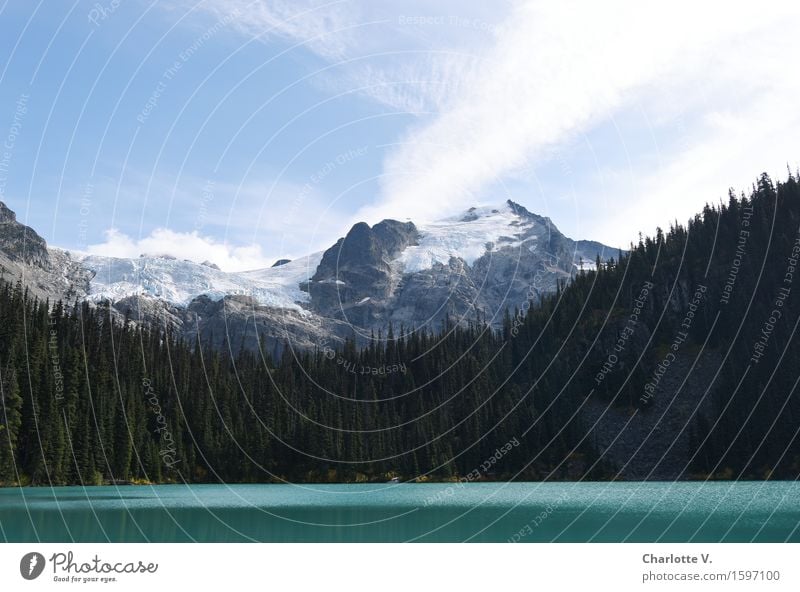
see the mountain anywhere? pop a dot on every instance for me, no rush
(679, 360)
(481, 262)
(485, 260)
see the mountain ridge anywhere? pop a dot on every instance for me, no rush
(482, 261)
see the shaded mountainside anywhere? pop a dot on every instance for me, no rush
(47, 273)
(678, 360)
(19, 242)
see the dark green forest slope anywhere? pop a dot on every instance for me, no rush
(87, 400)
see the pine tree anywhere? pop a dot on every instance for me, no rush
(10, 422)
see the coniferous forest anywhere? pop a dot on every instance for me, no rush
(87, 398)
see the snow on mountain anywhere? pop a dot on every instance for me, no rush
(279, 285)
(467, 236)
(179, 282)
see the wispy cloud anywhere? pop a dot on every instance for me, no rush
(323, 26)
(498, 88)
(557, 70)
(407, 55)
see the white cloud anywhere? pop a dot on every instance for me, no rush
(735, 115)
(183, 245)
(557, 70)
(735, 147)
(500, 86)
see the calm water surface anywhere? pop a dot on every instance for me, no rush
(483, 512)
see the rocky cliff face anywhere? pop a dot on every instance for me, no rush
(234, 323)
(654, 443)
(356, 279)
(19, 242)
(25, 257)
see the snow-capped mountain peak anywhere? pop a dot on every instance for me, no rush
(469, 235)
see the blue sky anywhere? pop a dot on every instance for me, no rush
(242, 131)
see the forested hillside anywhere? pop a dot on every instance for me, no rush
(86, 399)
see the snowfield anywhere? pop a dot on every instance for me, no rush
(179, 282)
(467, 236)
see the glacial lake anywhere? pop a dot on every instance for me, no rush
(480, 512)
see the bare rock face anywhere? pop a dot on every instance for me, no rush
(356, 278)
(47, 273)
(653, 444)
(20, 243)
(240, 322)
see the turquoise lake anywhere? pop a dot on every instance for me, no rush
(480, 512)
